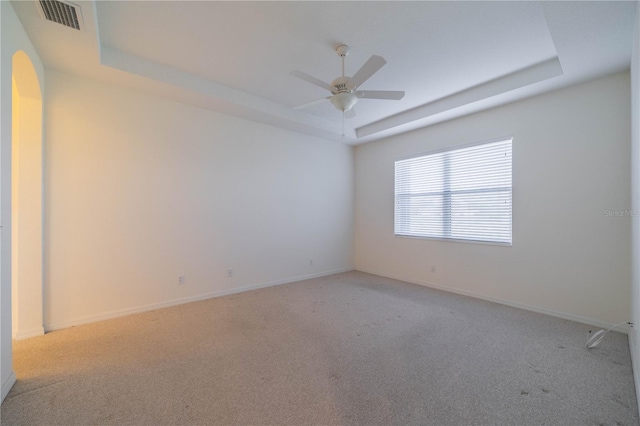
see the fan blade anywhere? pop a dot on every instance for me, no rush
(350, 114)
(380, 94)
(312, 103)
(368, 69)
(311, 79)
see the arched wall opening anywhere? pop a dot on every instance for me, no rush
(26, 200)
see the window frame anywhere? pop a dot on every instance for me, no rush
(452, 239)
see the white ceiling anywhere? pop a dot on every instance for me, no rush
(451, 58)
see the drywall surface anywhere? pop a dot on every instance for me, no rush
(13, 38)
(26, 201)
(634, 342)
(571, 195)
(140, 191)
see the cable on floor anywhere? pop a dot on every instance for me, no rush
(599, 335)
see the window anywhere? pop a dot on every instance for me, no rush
(460, 194)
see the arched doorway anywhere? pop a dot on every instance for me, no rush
(26, 200)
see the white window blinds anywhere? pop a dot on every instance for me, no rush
(461, 194)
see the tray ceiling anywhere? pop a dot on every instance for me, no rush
(451, 58)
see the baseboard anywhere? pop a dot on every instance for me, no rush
(537, 309)
(7, 385)
(154, 306)
(32, 332)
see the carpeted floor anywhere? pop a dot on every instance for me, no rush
(350, 348)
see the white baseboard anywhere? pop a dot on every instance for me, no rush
(32, 332)
(154, 306)
(7, 385)
(576, 318)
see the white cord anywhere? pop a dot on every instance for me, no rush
(599, 335)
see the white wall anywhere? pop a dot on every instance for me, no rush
(140, 190)
(26, 201)
(12, 39)
(634, 341)
(570, 164)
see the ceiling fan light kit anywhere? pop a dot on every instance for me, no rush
(344, 93)
(343, 101)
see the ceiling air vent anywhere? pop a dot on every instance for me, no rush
(67, 14)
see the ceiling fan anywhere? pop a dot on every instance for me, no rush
(344, 93)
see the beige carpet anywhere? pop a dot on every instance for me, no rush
(351, 348)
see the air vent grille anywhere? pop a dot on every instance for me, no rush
(62, 13)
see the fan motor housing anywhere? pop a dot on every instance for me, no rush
(343, 85)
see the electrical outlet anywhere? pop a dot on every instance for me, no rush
(182, 279)
(229, 273)
(433, 269)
